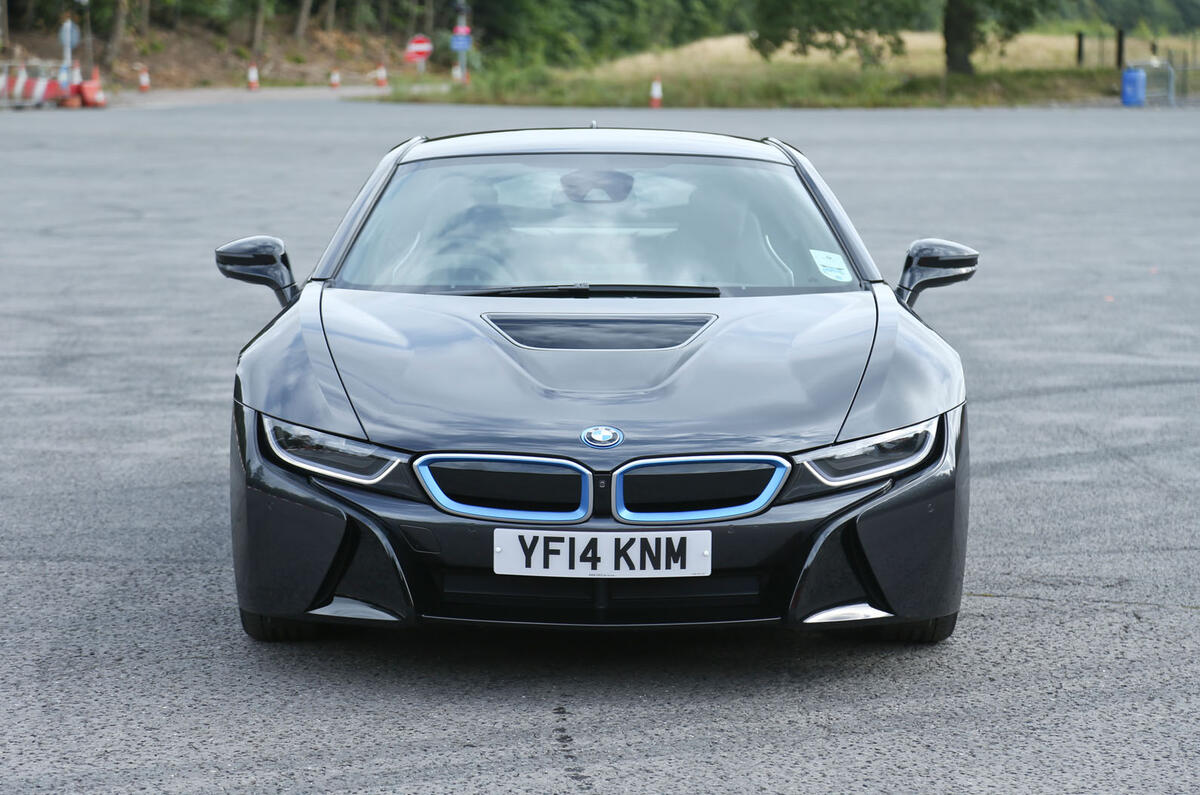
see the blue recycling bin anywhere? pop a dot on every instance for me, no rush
(1133, 87)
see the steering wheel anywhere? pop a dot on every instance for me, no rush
(474, 266)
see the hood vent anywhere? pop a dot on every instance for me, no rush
(599, 333)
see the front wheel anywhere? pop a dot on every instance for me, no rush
(270, 629)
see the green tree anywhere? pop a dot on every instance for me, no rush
(116, 34)
(968, 24)
(868, 26)
(302, 19)
(575, 32)
(1157, 15)
(873, 26)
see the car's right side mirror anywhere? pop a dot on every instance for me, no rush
(931, 263)
(260, 260)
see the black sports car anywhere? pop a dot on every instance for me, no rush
(597, 377)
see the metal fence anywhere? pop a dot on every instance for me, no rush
(1171, 81)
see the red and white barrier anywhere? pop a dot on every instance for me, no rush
(35, 90)
(29, 85)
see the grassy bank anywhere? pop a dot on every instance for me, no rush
(781, 86)
(1034, 68)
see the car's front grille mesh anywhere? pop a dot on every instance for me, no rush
(696, 489)
(684, 488)
(491, 487)
(514, 488)
(507, 488)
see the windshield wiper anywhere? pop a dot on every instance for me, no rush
(585, 290)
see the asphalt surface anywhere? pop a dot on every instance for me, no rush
(1075, 664)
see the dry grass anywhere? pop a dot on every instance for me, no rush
(788, 86)
(923, 55)
(725, 72)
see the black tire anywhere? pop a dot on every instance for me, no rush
(933, 630)
(269, 629)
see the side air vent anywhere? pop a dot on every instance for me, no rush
(597, 333)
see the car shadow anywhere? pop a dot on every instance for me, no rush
(624, 660)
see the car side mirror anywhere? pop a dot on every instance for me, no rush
(932, 263)
(260, 260)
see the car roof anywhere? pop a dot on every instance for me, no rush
(595, 140)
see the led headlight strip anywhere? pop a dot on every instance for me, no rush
(325, 454)
(872, 458)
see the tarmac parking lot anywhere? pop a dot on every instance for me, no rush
(1076, 662)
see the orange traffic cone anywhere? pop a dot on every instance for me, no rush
(656, 92)
(252, 77)
(335, 78)
(93, 91)
(381, 75)
(72, 90)
(143, 78)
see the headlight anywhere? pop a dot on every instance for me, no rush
(329, 455)
(861, 461)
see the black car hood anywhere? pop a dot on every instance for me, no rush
(432, 372)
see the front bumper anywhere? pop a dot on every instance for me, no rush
(310, 547)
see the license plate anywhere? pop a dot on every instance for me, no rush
(564, 553)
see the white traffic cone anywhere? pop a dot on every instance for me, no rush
(656, 92)
(252, 77)
(381, 75)
(335, 79)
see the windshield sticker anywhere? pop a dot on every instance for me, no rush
(831, 265)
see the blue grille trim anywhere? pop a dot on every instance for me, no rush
(782, 468)
(449, 505)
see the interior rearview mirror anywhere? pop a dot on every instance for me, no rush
(261, 260)
(931, 263)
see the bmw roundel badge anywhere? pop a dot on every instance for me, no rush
(602, 436)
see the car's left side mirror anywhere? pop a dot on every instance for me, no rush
(932, 263)
(260, 260)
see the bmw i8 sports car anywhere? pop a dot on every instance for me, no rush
(604, 378)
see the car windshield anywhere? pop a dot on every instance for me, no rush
(570, 221)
